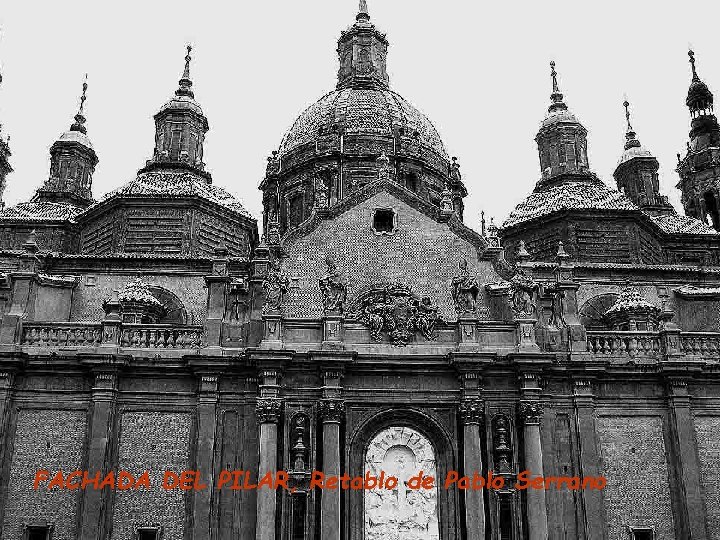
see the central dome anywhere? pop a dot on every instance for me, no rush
(372, 111)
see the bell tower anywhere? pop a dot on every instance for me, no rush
(5, 167)
(699, 170)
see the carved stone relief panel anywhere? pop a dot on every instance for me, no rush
(401, 452)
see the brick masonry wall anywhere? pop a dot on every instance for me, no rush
(706, 431)
(156, 442)
(88, 299)
(634, 463)
(422, 254)
(53, 440)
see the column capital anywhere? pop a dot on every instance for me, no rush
(7, 378)
(531, 412)
(332, 410)
(268, 410)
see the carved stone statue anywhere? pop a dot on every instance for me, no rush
(275, 285)
(522, 293)
(334, 288)
(465, 289)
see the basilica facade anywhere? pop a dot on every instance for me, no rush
(361, 328)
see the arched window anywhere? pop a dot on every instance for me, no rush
(401, 452)
(711, 207)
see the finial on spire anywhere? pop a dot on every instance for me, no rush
(185, 83)
(691, 54)
(556, 96)
(631, 141)
(363, 14)
(79, 124)
(626, 104)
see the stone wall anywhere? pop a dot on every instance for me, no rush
(707, 429)
(90, 294)
(635, 465)
(51, 440)
(156, 442)
(367, 258)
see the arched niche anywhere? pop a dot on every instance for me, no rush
(592, 312)
(443, 448)
(175, 310)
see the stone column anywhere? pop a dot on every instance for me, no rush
(332, 413)
(472, 413)
(268, 414)
(216, 284)
(7, 380)
(530, 414)
(594, 504)
(104, 397)
(693, 516)
(206, 428)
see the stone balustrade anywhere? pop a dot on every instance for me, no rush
(159, 336)
(139, 336)
(61, 334)
(700, 343)
(624, 343)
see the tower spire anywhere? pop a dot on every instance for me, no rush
(630, 135)
(691, 54)
(79, 124)
(363, 14)
(556, 96)
(185, 84)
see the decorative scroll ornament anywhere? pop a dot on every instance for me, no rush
(531, 412)
(394, 309)
(299, 436)
(522, 295)
(465, 288)
(334, 288)
(268, 410)
(275, 284)
(501, 440)
(332, 410)
(471, 411)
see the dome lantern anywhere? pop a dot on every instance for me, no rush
(180, 128)
(363, 54)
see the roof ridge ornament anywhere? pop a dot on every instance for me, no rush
(185, 84)
(79, 124)
(556, 96)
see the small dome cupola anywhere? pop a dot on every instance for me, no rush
(180, 128)
(699, 99)
(363, 54)
(561, 140)
(637, 172)
(72, 164)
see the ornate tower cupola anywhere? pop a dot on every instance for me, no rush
(562, 142)
(637, 173)
(699, 170)
(363, 54)
(72, 164)
(180, 128)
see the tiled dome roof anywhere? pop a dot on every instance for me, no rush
(568, 196)
(366, 111)
(45, 211)
(176, 184)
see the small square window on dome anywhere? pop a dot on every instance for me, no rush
(384, 221)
